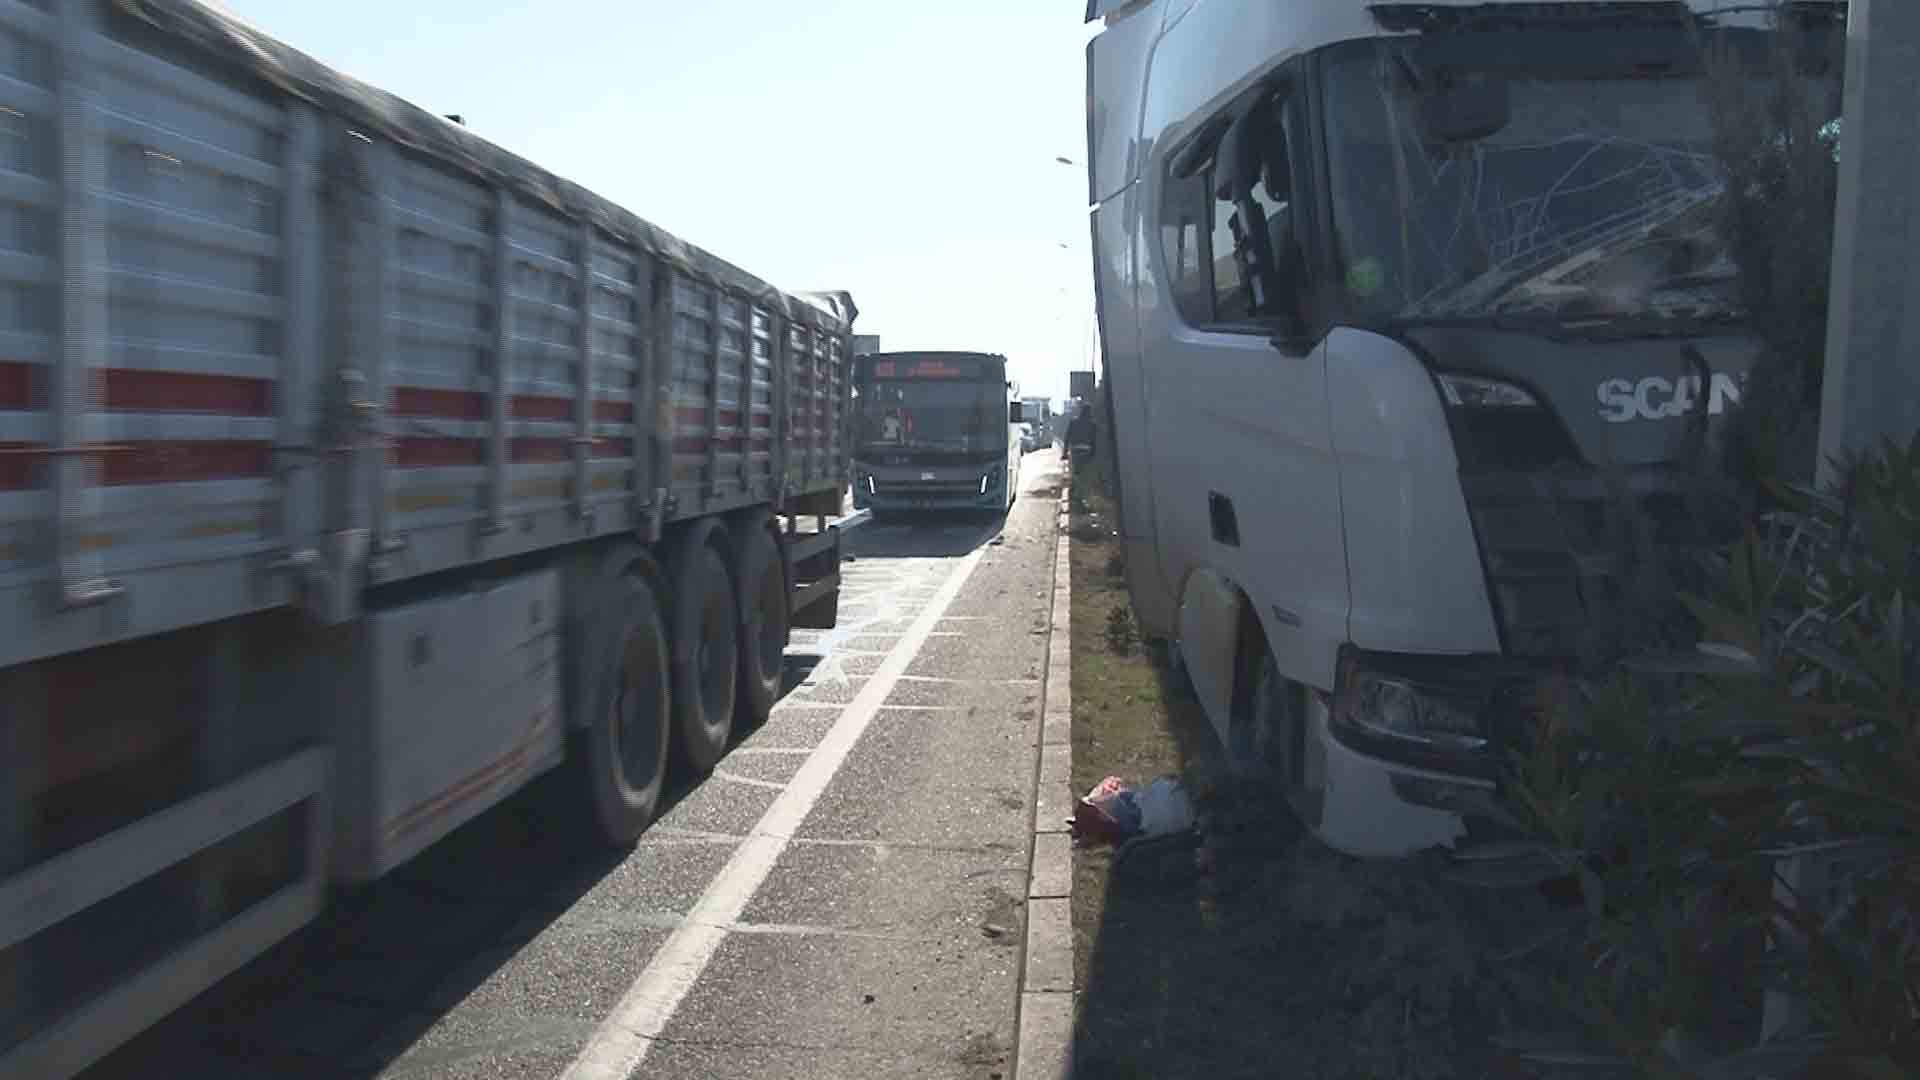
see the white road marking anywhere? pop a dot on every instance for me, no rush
(750, 781)
(623, 1039)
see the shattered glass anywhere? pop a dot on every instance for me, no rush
(1598, 201)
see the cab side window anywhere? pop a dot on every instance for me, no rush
(1186, 222)
(1229, 242)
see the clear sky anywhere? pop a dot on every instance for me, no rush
(900, 149)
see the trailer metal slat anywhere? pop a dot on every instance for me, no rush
(84, 1036)
(72, 882)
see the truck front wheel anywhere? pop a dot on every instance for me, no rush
(1273, 733)
(625, 751)
(705, 657)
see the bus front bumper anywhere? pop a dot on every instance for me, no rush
(970, 488)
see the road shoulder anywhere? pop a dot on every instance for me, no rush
(1047, 974)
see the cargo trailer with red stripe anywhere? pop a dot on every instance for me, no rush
(353, 472)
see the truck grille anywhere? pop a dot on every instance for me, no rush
(1561, 557)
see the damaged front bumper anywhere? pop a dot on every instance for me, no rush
(1409, 748)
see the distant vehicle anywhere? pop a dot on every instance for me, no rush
(1038, 414)
(934, 431)
(356, 472)
(1029, 438)
(1389, 296)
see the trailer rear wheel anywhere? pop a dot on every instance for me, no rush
(764, 625)
(705, 657)
(626, 740)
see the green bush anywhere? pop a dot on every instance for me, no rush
(1681, 801)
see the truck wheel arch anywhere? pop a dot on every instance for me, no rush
(1222, 637)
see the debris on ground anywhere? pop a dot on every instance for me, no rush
(1165, 808)
(1110, 813)
(1114, 811)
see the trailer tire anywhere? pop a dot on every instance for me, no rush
(765, 625)
(625, 741)
(706, 656)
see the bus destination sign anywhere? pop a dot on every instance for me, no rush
(932, 367)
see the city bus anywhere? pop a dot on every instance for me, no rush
(935, 431)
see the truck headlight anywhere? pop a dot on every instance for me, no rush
(1400, 710)
(1391, 714)
(1474, 392)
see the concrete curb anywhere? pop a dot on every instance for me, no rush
(1047, 993)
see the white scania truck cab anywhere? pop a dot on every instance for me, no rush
(1403, 308)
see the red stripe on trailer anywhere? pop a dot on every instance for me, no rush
(690, 414)
(180, 461)
(764, 420)
(418, 452)
(693, 444)
(432, 452)
(439, 404)
(17, 385)
(16, 465)
(613, 412)
(540, 407)
(530, 451)
(141, 390)
(538, 450)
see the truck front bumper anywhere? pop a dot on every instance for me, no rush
(1388, 789)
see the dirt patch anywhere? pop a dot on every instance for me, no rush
(1259, 953)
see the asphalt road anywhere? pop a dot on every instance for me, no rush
(843, 897)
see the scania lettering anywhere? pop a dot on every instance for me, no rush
(1404, 308)
(934, 431)
(1656, 398)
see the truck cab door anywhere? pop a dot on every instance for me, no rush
(1246, 485)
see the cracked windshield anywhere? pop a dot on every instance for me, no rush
(1128, 540)
(1601, 198)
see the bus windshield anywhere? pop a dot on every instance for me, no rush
(932, 414)
(1600, 198)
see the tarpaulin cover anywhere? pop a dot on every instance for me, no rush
(377, 113)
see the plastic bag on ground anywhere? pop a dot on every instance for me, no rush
(1165, 808)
